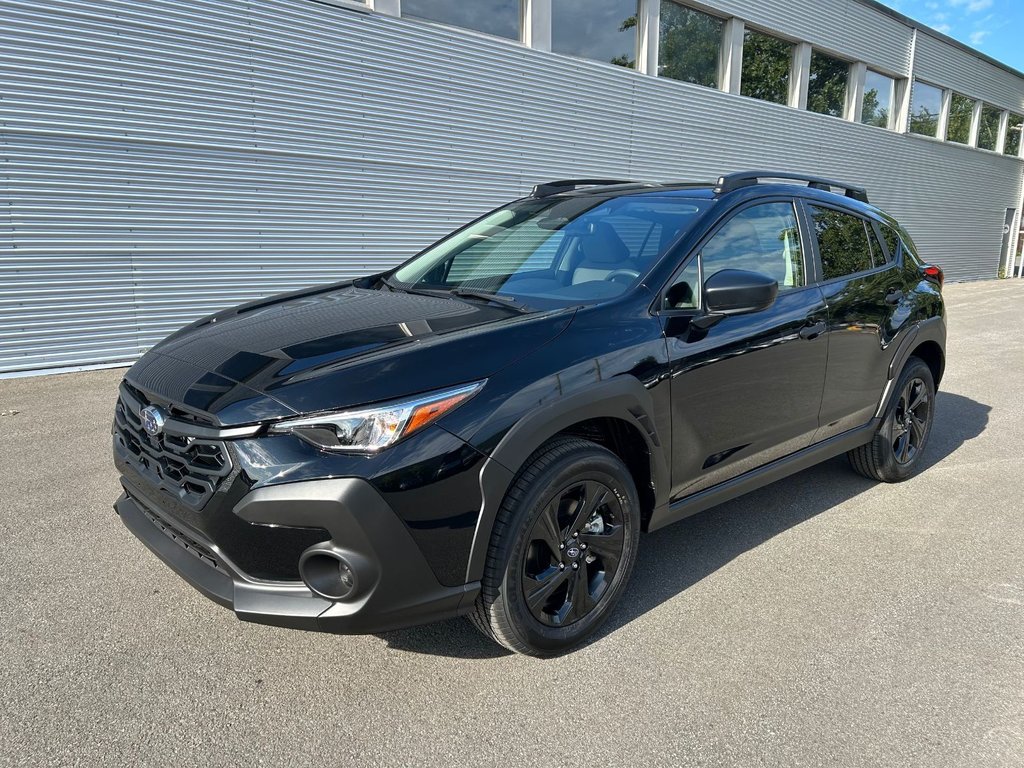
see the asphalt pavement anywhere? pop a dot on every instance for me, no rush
(822, 621)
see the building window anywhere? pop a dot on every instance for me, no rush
(767, 63)
(988, 130)
(494, 17)
(925, 109)
(1014, 126)
(603, 30)
(879, 95)
(690, 45)
(961, 112)
(826, 85)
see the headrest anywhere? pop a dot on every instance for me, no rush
(603, 246)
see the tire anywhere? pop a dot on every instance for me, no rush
(894, 453)
(568, 486)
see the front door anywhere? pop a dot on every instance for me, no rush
(747, 390)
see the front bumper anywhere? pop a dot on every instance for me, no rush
(396, 589)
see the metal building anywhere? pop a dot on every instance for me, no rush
(164, 158)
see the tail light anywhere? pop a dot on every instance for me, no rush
(933, 274)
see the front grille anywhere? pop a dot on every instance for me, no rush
(190, 469)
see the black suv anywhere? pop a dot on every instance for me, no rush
(487, 429)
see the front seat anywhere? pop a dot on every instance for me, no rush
(602, 252)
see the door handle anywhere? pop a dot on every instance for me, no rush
(813, 331)
(894, 296)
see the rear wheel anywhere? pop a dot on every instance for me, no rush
(894, 454)
(562, 549)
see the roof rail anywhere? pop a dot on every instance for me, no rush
(734, 181)
(568, 185)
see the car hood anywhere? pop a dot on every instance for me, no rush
(334, 347)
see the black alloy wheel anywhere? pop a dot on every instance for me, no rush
(897, 447)
(562, 548)
(908, 426)
(574, 553)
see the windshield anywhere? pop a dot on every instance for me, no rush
(555, 251)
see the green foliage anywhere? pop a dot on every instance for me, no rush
(958, 128)
(842, 242)
(766, 64)
(625, 60)
(1013, 135)
(988, 131)
(873, 113)
(690, 45)
(826, 92)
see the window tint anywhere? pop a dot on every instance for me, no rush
(690, 45)
(878, 257)
(1013, 131)
(603, 30)
(495, 17)
(842, 242)
(767, 62)
(925, 109)
(763, 238)
(988, 130)
(826, 86)
(892, 240)
(878, 98)
(686, 289)
(961, 111)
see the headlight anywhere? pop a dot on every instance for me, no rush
(370, 429)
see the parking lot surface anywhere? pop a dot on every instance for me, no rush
(824, 620)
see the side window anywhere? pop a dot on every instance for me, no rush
(892, 241)
(685, 293)
(763, 238)
(842, 242)
(878, 257)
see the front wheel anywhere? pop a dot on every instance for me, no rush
(562, 549)
(895, 452)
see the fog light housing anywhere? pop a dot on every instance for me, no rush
(328, 573)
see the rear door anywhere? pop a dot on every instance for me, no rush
(863, 286)
(747, 390)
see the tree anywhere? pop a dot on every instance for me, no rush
(766, 64)
(826, 86)
(689, 45)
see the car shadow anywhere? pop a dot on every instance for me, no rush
(676, 557)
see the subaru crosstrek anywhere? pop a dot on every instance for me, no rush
(486, 429)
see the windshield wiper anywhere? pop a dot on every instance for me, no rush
(477, 293)
(396, 288)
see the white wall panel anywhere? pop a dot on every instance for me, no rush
(952, 67)
(165, 159)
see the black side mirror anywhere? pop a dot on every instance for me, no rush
(737, 291)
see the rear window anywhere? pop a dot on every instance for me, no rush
(842, 242)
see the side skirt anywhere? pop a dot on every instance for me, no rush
(769, 473)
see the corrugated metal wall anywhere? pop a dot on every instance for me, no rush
(950, 67)
(165, 159)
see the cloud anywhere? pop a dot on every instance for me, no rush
(971, 6)
(978, 37)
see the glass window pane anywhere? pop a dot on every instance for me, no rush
(988, 131)
(685, 293)
(925, 109)
(495, 17)
(603, 30)
(842, 242)
(763, 238)
(767, 62)
(892, 240)
(690, 45)
(879, 93)
(961, 110)
(826, 86)
(1013, 131)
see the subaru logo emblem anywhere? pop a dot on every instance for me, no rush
(153, 420)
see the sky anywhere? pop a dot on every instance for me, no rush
(992, 26)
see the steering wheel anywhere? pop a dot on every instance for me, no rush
(625, 276)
